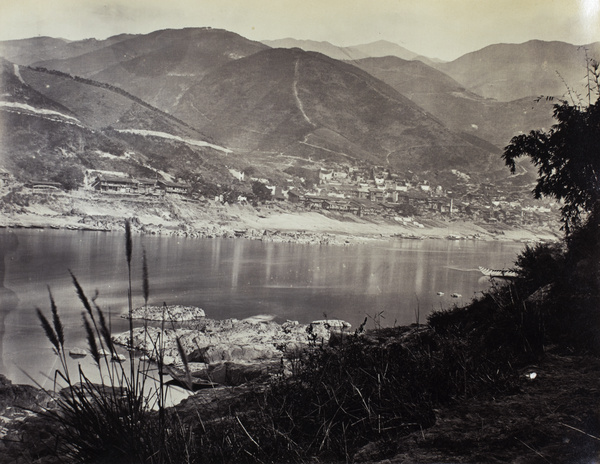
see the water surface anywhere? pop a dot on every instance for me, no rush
(390, 283)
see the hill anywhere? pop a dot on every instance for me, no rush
(508, 72)
(29, 51)
(56, 127)
(158, 67)
(326, 48)
(458, 108)
(356, 52)
(304, 104)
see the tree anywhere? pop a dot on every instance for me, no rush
(70, 177)
(567, 157)
(261, 191)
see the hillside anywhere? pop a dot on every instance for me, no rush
(379, 48)
(508, 72)
(181, 99)
(29, 51)
(304, 104)
(458, 108)
(326, 48)
(158, 67)
(56, 127)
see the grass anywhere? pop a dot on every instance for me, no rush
(123, 417)
(329, 400)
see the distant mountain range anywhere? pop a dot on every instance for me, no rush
(357, 52)
(511, 71)
(201, 100)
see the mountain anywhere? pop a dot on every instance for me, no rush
(57, 126)
(291, 103)
(158, 67)
(326, 48)
(508, 72)
(459, 109)
(356, 52)
(385, 48)
(28, 51)
(192, 100)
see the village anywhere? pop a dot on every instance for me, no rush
(373, 191)
(377, 191)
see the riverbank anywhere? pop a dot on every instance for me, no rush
(84, 210)
(548, 418)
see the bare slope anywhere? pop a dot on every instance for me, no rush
(511, 71)
(305, 104)
(159, 67)
(54, 127)
(458, 108)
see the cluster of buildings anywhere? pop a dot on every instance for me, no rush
(117, 184)
(366, 192)
(382, 193)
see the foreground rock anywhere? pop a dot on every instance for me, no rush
(230, 351)
(25, 435)
(175, 313)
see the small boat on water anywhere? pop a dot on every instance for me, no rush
(498, 273)
(456, 295)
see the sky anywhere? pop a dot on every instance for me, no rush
(444, 29)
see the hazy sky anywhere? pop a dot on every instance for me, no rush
(436, 28)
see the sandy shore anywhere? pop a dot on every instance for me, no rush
(83, 210)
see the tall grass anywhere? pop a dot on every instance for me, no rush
(121, 418)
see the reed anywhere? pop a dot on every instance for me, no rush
(122, 417)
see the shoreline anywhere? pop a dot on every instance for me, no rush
(85, 211)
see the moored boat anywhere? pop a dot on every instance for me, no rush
(498, 273)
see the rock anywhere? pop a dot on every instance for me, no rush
(233, 374)
(171, 313)
(251, 341)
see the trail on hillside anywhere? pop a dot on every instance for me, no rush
(298, 101)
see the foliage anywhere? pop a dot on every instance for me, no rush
(567, 157)
(540, 264)
(121, 418)
(261, 192)
(70, 177)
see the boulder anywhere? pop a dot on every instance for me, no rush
(246, 342)
(171, 313)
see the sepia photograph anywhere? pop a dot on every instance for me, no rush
(282, 231)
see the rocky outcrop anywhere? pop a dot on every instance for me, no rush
(230, 350)
(169, 313)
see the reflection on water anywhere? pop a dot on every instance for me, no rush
(8, 299)
(227, 278)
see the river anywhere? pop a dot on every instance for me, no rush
(389, 282)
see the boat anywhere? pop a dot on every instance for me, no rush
(498, 273)
(456, 295)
